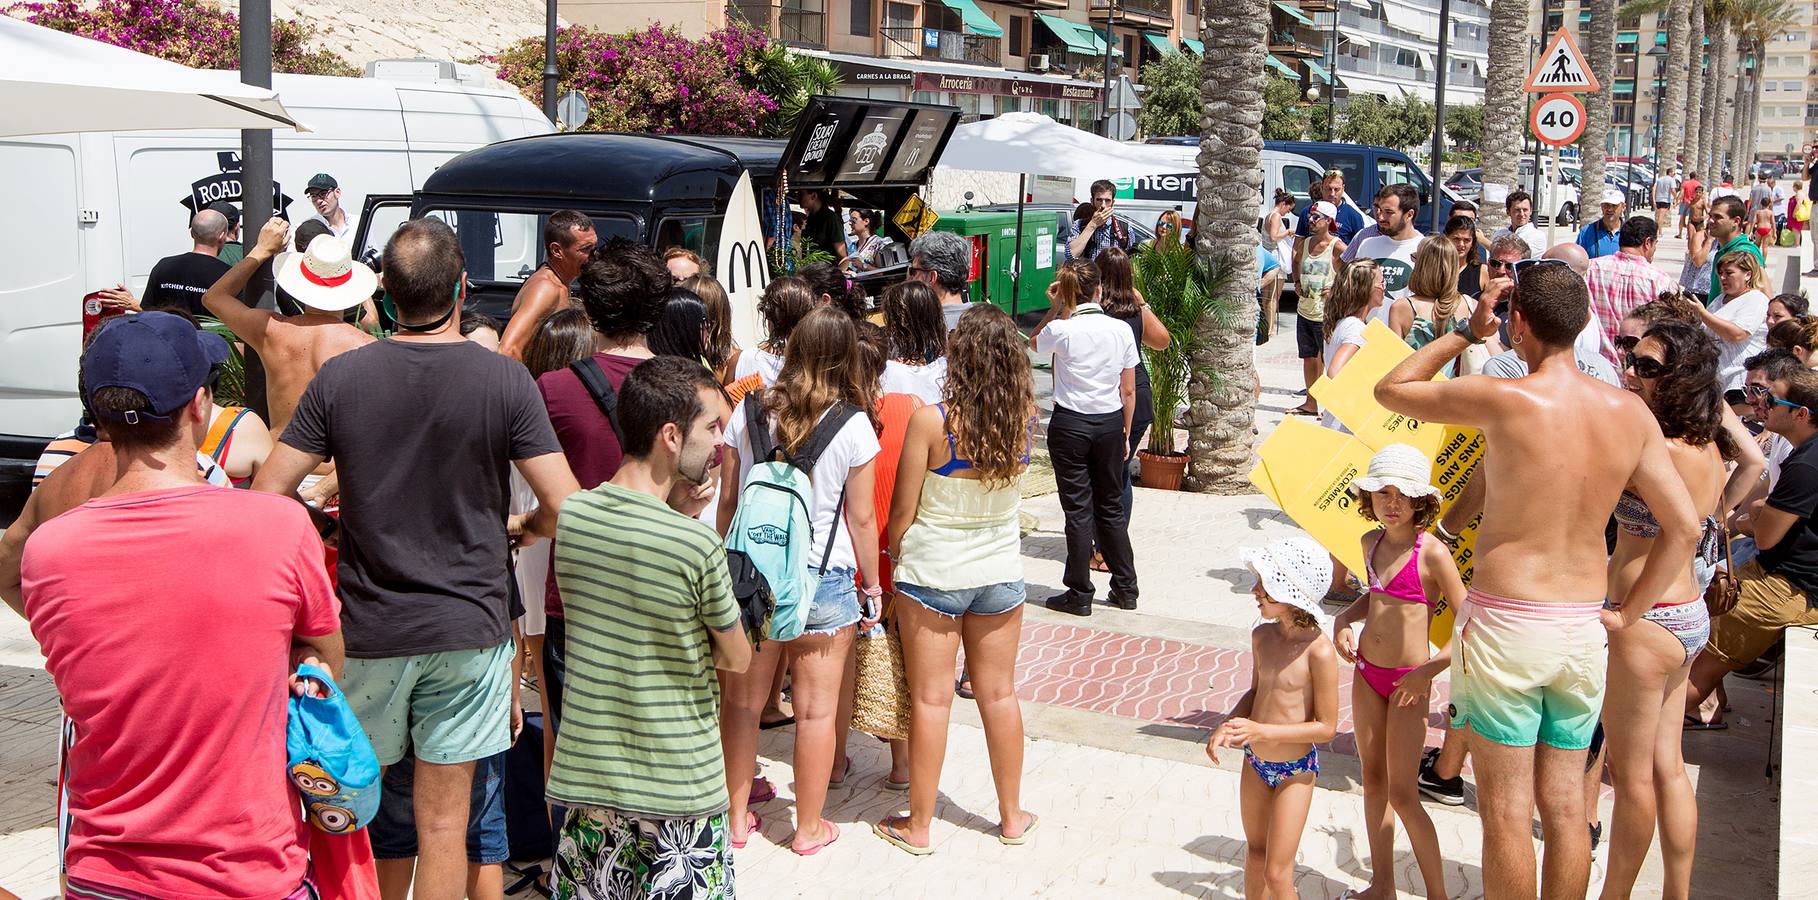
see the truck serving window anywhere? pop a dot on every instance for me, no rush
(508, 246)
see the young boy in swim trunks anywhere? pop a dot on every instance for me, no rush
(1395, 668)
(1292, 704)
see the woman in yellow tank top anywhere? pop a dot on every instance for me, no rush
(954, 541)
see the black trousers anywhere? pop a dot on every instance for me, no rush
(1088, 453)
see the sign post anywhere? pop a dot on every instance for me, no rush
(1557, 119)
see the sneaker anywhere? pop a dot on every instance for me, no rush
(1070, 603)
(1449, 791)
(1123, 601)
(1596, 835)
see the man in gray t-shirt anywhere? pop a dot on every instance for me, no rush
(1761, 196)
(943, 260)
(1508, 364)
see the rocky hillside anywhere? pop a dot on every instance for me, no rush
(459, 30)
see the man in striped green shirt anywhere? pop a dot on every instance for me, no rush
(650, 616)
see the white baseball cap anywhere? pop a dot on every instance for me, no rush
(1612, 195)
(1325, 208)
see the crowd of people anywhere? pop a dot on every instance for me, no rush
(1638, 433)
(576, 499)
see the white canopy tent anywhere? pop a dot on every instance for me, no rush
(1029, 143)
(52, 82)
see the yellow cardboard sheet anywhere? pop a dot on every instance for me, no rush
(1307, 470)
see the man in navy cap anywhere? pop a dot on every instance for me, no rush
(184, 796)
(324, 194)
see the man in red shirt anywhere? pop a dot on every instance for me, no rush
(1688, 189)
(176, 779)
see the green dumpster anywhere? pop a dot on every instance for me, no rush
(993, 238)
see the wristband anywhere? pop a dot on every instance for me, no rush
(872, 592)
(1463, 330)
(1445, 534)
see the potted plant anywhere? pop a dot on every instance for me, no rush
(1181, 289)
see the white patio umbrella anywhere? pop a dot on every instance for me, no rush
(52, 82)
(1032, 144)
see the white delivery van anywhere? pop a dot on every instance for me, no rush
(92, 210)
(1152, 195)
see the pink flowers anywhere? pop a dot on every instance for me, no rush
(653, 80)
(192, 32)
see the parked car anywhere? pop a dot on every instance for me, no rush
(1467, 183)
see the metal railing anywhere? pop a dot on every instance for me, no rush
(948, 46)
(1152, 9)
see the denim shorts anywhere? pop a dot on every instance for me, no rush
(394, 827)
(990, 600)
(836, 603)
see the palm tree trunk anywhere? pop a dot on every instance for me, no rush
(1600, 51)
(1739, 112)
(1711, 141)
(1672, 116)
(1752, 132)
(1504, 119)
(1692, 116)
(1230, 199)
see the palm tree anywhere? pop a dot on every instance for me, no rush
(1692, 116)
(1757, 23)
(1230, 199)
(1504, 119)
(1672, 118)
(1710, 140)
(1600, 51)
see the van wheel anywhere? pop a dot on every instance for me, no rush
(1568, 214)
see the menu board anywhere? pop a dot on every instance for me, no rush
(854, 142)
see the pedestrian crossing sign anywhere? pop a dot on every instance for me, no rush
(1561, 69)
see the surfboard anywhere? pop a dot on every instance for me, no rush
(743, 266)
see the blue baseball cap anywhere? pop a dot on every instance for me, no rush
(157, 354)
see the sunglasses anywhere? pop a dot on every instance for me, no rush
(1626, 342)
(1645, 366)
(1779, 401)
(1495, 263)
(1523, 266)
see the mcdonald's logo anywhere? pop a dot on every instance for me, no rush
(745, 266)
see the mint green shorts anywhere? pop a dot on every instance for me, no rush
(442, 708)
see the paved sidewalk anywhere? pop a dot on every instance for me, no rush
(1117, 707)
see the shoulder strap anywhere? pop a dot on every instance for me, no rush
(214, 446)
(757, 425)
(823, 435)
(594, 379)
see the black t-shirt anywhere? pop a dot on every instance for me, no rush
(180, 281)
(423, 436)
(823, 230)
(1795, 558)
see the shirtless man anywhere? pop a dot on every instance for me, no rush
(568, 239)
(1531, 669)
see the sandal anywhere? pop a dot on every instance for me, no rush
(898, 786)
(753, 822)
(1693, 723)
(1098, 563)
(760, 795)
(833, 834)
(783, 722)
(1302, 411)
(963, 687)
(1023, 838)
(844, 774)
(889, 833)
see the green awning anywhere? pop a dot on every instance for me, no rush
(1294, 14)
(977, 20)
(1098, 41)
(1624, 86)
(1319, 71)
(1286, 70)
(1160, 44)
(1077, 39)
(1197, 46)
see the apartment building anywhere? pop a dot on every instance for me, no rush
(1389, 48)
(1787, 89)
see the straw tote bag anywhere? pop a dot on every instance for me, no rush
(881, 695)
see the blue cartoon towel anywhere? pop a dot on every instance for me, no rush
(331, 761)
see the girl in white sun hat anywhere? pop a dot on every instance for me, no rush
(1391, 689)
(1292, 705)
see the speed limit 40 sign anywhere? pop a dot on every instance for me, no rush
(1557, 119)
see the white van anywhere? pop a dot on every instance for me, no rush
(89, 211)
(1155, 194)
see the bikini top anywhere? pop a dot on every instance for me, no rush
(954, 461)
(1636, 520)
(1406, 583)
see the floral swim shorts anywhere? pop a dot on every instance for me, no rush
(607, 855)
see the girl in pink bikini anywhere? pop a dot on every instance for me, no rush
(1395, 667)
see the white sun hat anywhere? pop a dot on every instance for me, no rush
(325, 276)
(1295, 571)
(1400, 466)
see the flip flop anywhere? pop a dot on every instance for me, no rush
(1020, 839)
(756, 822)
(833, 835)
(1302, 411)
(847, 773)
(784, 722)
(963, 687)
(1693, 723)
(759, 796)
(898, 786)
(894, 837)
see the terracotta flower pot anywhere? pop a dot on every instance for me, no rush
(1162, 471)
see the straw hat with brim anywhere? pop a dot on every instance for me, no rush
(325, 276)
(1399, 466)
(1295, 571)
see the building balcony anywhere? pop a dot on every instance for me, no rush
(946, 46)
(1035, 4)
(1317, 6)
(1287, 43)
(1133, 12)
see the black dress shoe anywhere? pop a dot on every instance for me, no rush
(1070, 603)
(1127, 601)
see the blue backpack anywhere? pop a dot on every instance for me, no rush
(772, 533)
(331, 761)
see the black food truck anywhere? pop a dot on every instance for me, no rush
(725, 198)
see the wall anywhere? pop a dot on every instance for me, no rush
(695, 18)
